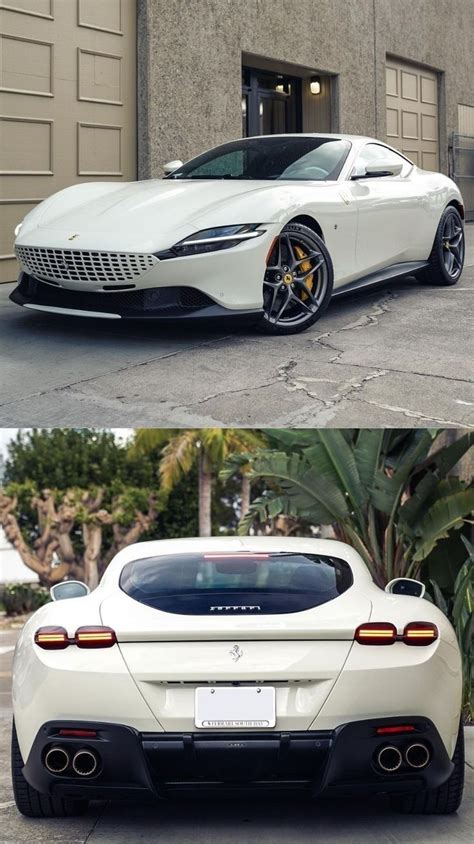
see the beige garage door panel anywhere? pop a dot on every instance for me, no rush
(67, 101)
(412, 112)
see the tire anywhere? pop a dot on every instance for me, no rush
(450, 230)
(293, 296)
(437, 801)
(32, 803)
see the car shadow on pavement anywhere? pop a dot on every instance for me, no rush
(274, 820)
(39, 325)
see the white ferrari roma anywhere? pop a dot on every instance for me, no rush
(267, 229)
(230, 664)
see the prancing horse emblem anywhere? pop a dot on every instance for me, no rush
(73, 237)
(236, 653)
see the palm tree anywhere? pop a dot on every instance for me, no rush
(208, 448)
(389, 493)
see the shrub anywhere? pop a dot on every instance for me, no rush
(19, 598)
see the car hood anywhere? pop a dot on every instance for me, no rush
(157, 213)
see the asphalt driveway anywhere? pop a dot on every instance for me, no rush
(225, 822)
(400, 355)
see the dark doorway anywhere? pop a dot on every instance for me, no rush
(271, 103)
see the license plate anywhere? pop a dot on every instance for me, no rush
(235, 706)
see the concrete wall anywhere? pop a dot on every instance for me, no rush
(190, 57)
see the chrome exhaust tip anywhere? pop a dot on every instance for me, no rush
(417, 755)
(84, 763)
(57, 760)
(389, 758)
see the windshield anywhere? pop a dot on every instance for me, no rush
(230, 584)
(278, 157)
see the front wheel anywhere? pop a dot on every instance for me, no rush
(298, 281)
(31, 802)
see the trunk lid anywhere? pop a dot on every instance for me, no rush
(301, 654)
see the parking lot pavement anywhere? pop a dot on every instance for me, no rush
(396, 356)
(227, 822)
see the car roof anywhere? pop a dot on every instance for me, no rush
(333, 135)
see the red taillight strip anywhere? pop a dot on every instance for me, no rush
(78, 733)
(95, 637)
(420, 633)
(376, 633)
(52, 638)
(243, 555)
(400, 728)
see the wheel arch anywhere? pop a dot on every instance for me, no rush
(454, 203)
(310, 222)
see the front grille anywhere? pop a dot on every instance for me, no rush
(77, 265)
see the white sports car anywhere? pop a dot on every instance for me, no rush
(231, 664)
(267, 229)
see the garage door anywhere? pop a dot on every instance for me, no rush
(412, 112)
(68, 102)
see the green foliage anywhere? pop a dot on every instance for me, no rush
(387, 492)
(20, 598)
(60, 458)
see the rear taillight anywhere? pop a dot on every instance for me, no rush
(52, 638)
(376, 633)
(420, 633)
(95, 637)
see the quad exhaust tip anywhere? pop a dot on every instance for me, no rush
(417, 755)
(57, 760)
(389, 758)
(84, 763)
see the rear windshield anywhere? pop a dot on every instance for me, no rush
(232, 584)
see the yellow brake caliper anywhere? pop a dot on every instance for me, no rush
(305, 268)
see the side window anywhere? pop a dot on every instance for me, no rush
(374, 154)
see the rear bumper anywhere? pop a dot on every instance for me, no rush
(165, 304)
(339, 761)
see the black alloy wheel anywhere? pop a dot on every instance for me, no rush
(298, 281)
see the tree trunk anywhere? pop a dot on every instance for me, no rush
(245, 496)
(205, 497)
(92, 534)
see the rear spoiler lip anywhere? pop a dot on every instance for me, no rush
(249, 636)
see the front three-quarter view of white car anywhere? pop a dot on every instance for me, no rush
(264, 229)
(237, 663)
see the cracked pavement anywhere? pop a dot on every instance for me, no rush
(254, 821)
(399, 355)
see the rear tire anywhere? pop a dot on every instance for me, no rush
(446, 260)
(437, 801)
(32, 803)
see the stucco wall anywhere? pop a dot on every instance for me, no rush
(190, 55)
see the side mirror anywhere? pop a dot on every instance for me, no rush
(171, 166)
(406, 586)
(384, 168)
(68, 589)
(381, 168)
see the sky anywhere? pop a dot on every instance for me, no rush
(7, 434)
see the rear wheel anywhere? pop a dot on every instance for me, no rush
(298, 281)
(446, 260)
(437, 801)
(32, 803)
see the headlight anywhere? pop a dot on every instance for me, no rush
(212, 240)
(18, 229)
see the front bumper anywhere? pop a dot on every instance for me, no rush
(339, 761)
(166, 304)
